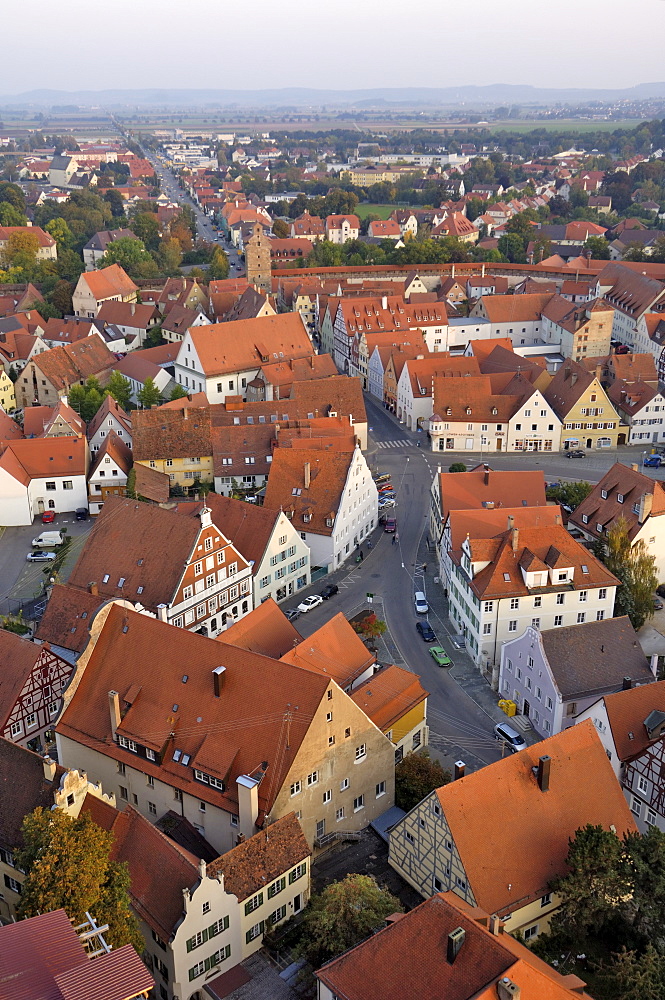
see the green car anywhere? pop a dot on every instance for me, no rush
(440, 656)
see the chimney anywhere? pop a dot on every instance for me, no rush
(544, 773)
(573, 378)
(511, 522)
(627, 684)
(557, 518)
(486, 477)
(93, 589)
(218, 680)
(203, 868)
(248, 804)
(185, 413)
(515, 539)
(455, 942)
(496, 927)
(161, 612)
(644, 509)
(460, 768)
(635, 467)
(384, 301)
(599, 371)
(49, 769)
(132, 308)
(506, 989)
(114, 709)
(307, 475)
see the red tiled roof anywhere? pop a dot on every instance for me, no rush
(264, 857)
(109, 281)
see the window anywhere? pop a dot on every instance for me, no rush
(278, 915)
(152, 808)
(602, 593)
(339, 814)
(410, 839)
(642, 784)
(123, 793)
(560, 598)
(50, 486)
(535, 623)
(254, 932)
(296, 788)
(635, 806)
(361, 752)
(488, 605)
(558, 620)
(380, 789)
(487, 628)
(581, 618)
(298, 872)
(277, 887)
(359, 803)
(16, 728)
(531, 932)
(583, 595)
(650, 817)
(150, 781)
(344, 784)
(313, 778)
(12, 884)
(600, 616)
(512, 626)
(205, 908)
(327, 796)
(254, 903)
(514, 603)
(537, 602)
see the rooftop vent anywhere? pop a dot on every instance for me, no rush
(455, 942)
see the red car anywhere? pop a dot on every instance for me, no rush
(48, 516)
(390, 525)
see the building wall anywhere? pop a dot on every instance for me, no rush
(59, 498)
(600, 428)
(7, 394)
(103, 431)
(276, 558)
(15, 505)
(647, 426)
(270, 911)
(314, 786)
(183, 471)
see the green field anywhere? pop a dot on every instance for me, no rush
(563, 125)
(365, 209)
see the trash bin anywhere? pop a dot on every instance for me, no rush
(508, 706)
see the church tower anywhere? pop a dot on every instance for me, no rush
(257, 260)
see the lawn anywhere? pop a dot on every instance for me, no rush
(365, 209)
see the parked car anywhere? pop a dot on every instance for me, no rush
(385, 504)
(420, 601)
(440, 656)
(310, 602)
(385, 487)
(426, 631)
(575, 454)
(81, 513)
(40, 556)
(385, 478)
(329, 591)
(48, 517)
(657, 604)
(653, 461)
(509, 737)
(390, 525)
(292, 614)
(661, 590)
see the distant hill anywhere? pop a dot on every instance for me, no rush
(302, 97)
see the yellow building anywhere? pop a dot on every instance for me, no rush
(175, 441)
(497, 837)
(7, 396)
(396, 702)
(589, 420)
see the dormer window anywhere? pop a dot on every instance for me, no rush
(307, 517)
(603, 494)
(468, 411)
(620, 497)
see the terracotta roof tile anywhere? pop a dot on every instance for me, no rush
(388, 695)
(152, 484)
(632, 486)
(114, 448)
(530, 845)
(70, 363)
(246, 344)
(318, 502)
(108, 281)
(258, 861)
(171, 433)
(482, 486)
(35, 458)
(68, 616)
(267, 631)
(335, 650)
(514, 308)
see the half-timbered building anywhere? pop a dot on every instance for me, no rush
(33, 679)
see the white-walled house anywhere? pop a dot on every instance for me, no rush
(39, 474)
(110, 418)
(520, 577)
(331, 499)
(641, 407)
(555, 675)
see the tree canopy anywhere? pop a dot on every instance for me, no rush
(416, 776)
(635, 568)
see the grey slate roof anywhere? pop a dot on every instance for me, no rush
(594, 658)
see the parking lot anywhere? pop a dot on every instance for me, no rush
(21, 580)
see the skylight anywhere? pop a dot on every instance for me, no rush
(506, 577)
(177, 755)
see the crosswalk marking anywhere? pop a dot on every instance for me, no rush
(393, 444)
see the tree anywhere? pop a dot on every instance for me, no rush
(631, 976)
(645, 908)
(61, 233)
(21, 251)
(415, 777)
(571, 494)
(369, 627)
(280, 229)
(598, 247)
(169, 256)
(457, 467)
(13, 194)
(596, 882)
(636, 570)
(61, 297)
(343, 915)
(116, 203)
(11, 216)
(512, 246)
(147, 229)
(131, 255)
(218, 269)
(67, 866)
(178, 392)
(149, 395)
(86, 399)
(120, 388)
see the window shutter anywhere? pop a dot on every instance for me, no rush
(207, 964)
(226, 927)
(189, 944)
(204, 935)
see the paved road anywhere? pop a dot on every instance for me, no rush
(21, 580)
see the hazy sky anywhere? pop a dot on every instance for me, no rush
(312, 43)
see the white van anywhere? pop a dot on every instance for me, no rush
(47, 540)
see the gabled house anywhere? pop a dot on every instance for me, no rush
(554, 788)
(553, 676)
(140, 688)
(329, 497)
(577, 397)
(98, 244)
(633, 296)
(446, 948)
(583, 330)
(506, 579)
(132, 320)
(49, 376)
(185, 292)
(340, 228)
(47, 248)
(415, 388)
(31, 698)
(108, 473)
(52, 421)
(308, 227)
(222, 359)
(627, 493)
(192, 913)
(66, 331)
(178, 566)
(277, 553)
(109, 418)
(630, 725)
(111, 284)
(641, 409)
(178, 321)
(42, 474)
